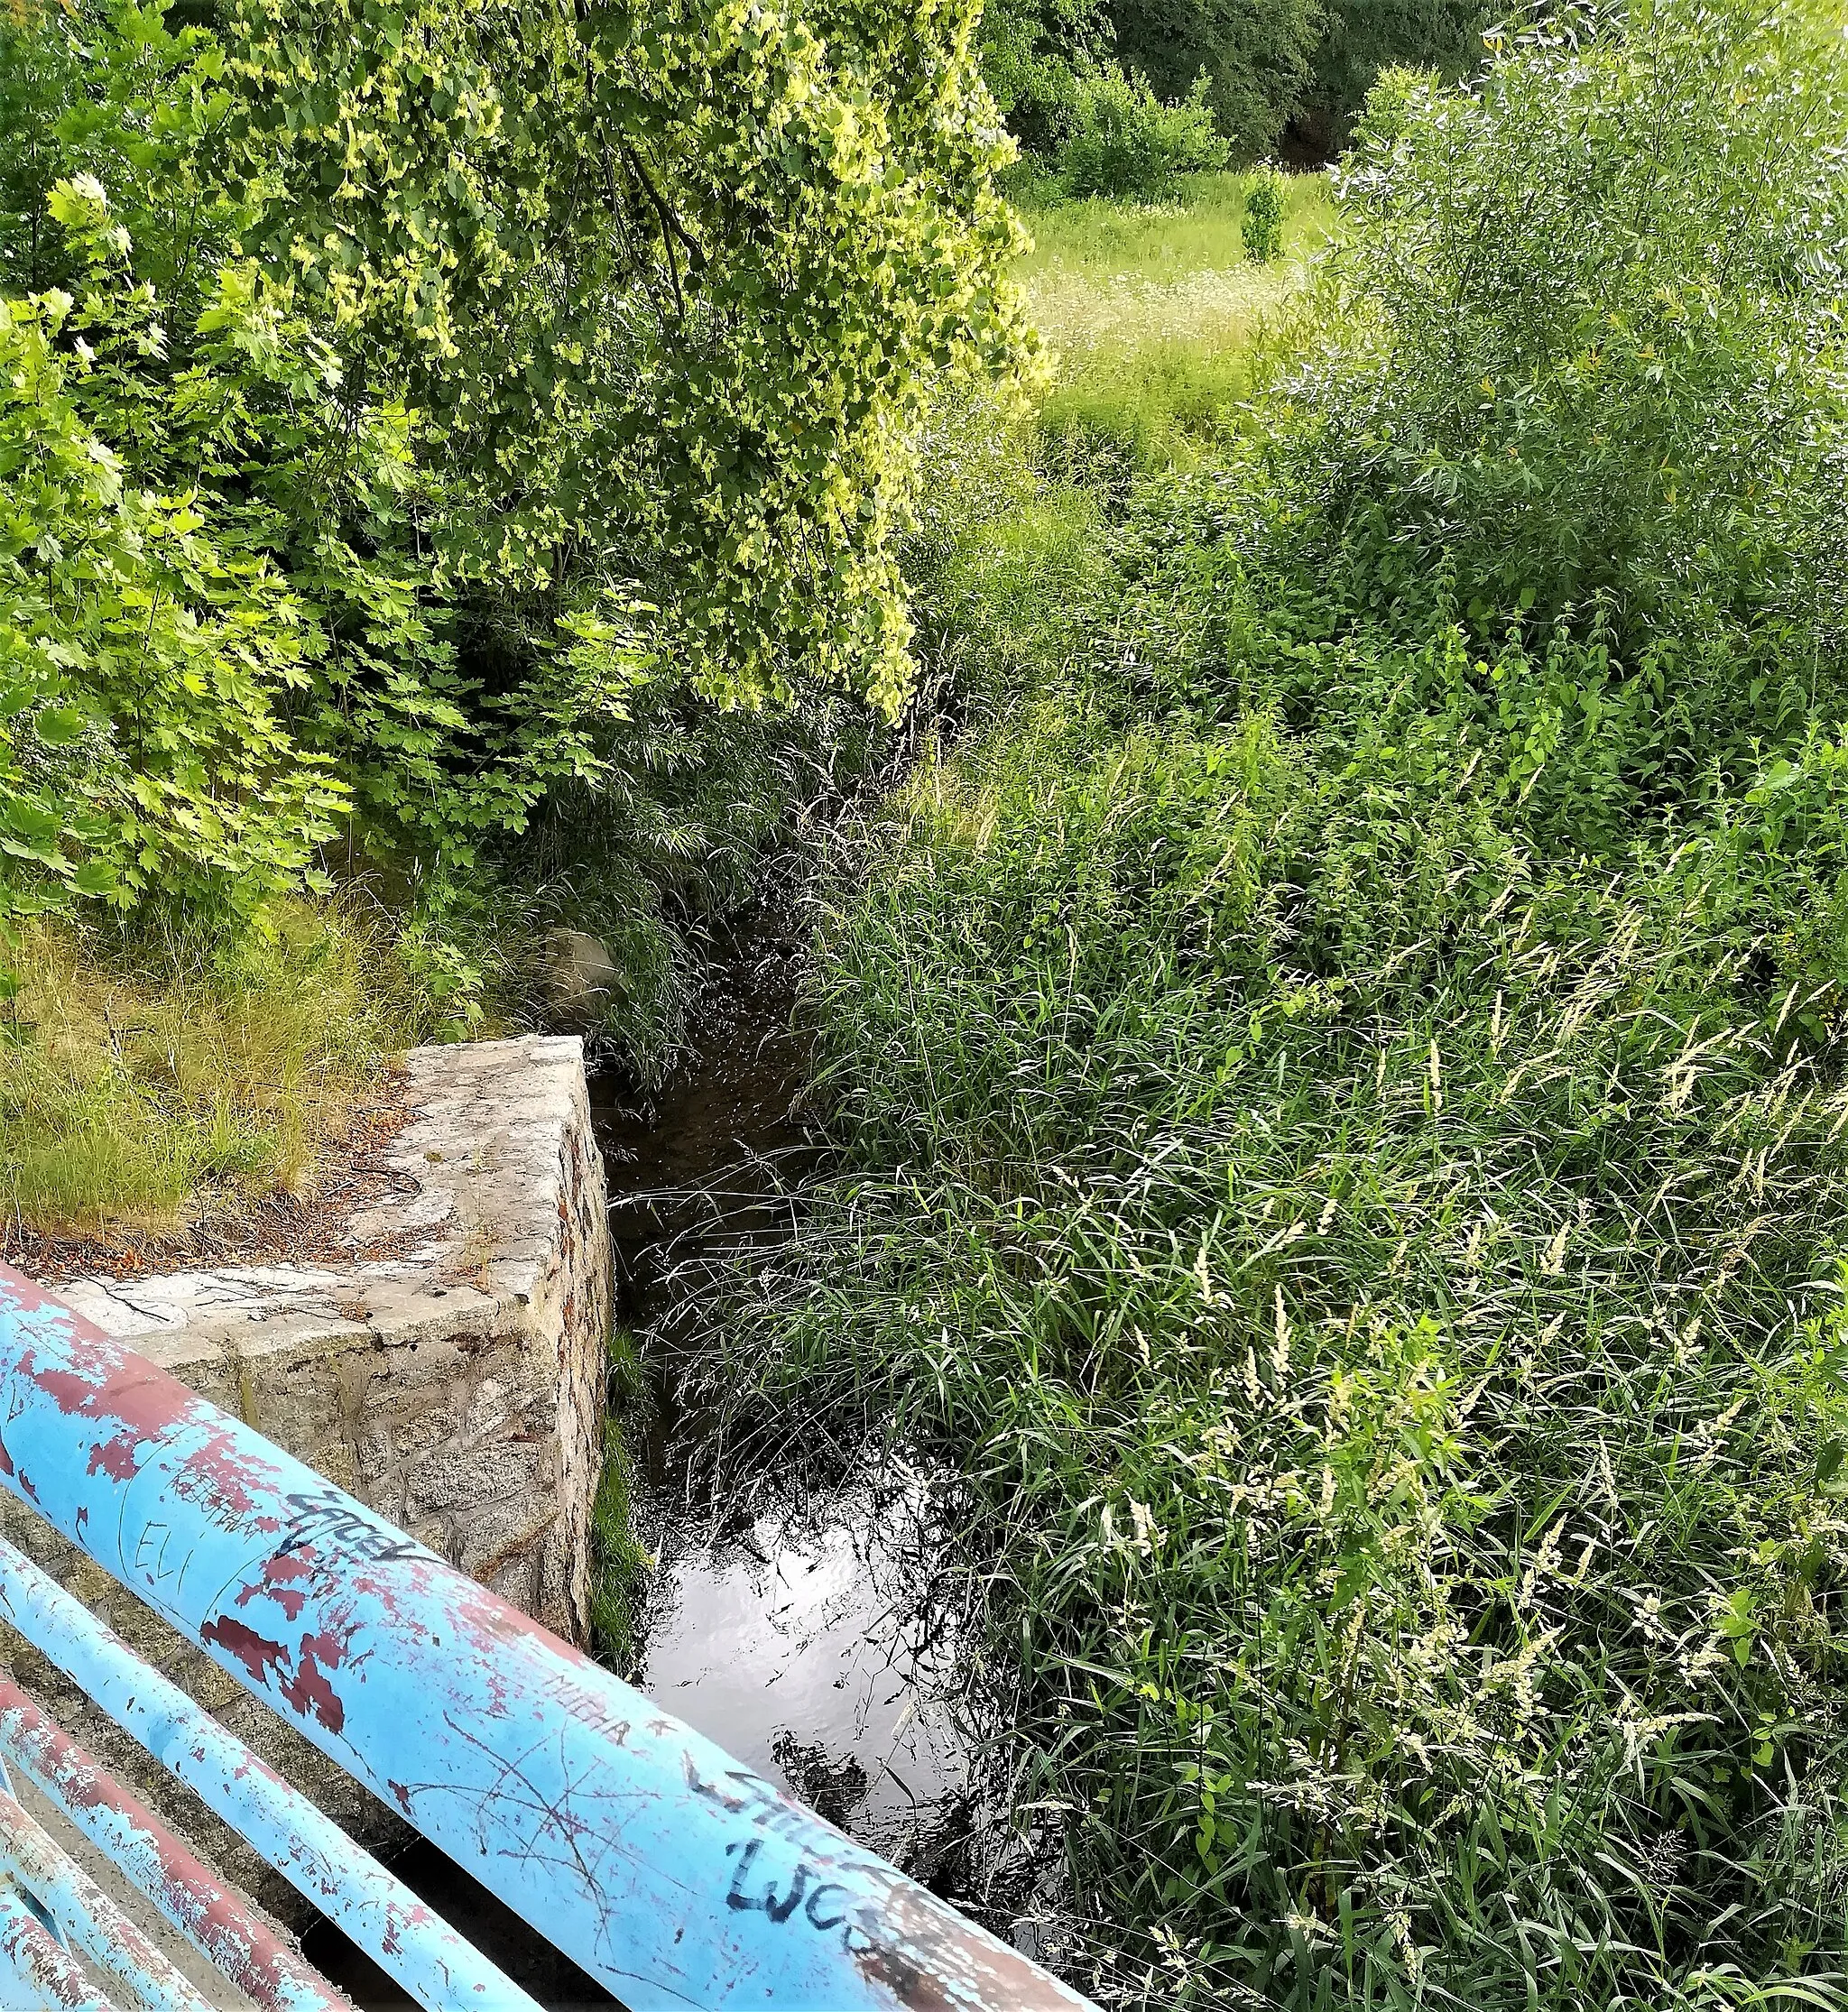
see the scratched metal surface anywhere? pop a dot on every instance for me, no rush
(88, 1917)
(444, 1972)
(216, 1919)
(673, 1875)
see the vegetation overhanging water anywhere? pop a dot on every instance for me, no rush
(1323, 1026)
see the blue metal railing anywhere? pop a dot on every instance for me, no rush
(659, 1865)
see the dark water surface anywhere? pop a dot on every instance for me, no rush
(794, 1624)
(791, 1623)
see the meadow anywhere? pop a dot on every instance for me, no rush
(1335, 1055)
(1150, 313)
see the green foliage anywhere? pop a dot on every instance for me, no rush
(411, 424)
(1283, 66)
(1262, 228)
(619, 1563)
(1095, 247)
(676, 829)
(1255, 55)
(663, 284)
(1361, 39)
(1340, 1097)
(1316, 1227)
(1116, 138)
(147, 643)
(1032, 53)
(1602, 378)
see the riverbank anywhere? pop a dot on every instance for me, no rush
(1333, 1066)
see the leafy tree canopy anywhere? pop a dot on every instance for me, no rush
(1255, 55)
(395, 398)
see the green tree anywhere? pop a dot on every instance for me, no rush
(1255, 55)
(665, 285)
(1362, 38)
(524, 369)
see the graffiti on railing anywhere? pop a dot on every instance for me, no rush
(645, 1852)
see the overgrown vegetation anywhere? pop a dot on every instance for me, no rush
(409, 418)
(1117, 96)
(146, 1082)
(463, 450)
(619, 1563)
(1338, 1074)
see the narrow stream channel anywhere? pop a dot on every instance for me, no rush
(789, 1621)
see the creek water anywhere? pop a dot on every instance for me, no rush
(791, 1618)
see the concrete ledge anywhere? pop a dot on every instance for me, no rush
(456, 1385)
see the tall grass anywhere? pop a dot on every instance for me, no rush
(1163, 242)
(1381, 1293)
(1148, 313)
(140, 1082)
(1338, 1080)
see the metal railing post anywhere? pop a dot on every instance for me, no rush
(87, 1914)
(212, 1915)
(35, 1973)
(659, 1864)
(374, 1907)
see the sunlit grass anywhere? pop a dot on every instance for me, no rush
(1164, 243)
(1150, 313)
(135, 1081)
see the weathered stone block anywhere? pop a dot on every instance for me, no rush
(456, 1384)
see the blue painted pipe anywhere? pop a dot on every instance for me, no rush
(213, 1918)
(638, 1847)
(36, 1974)
(88, 1917)
(404, 1937)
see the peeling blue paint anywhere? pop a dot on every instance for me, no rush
(642, 1850)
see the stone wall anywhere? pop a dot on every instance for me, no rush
(451, 1373)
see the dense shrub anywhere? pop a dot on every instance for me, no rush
(1262, 230)
(1341, 1099)
(1362, 38)
(1255, 55)
(1599, 376)
(1116, 138)
(1032, 52)
(1282, 69)
(408, 418)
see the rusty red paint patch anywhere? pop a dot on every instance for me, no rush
(31, 1296)
(114, 1458)
(309, 1690)
(256, 1652)
(109, 1384)
(275, 1584)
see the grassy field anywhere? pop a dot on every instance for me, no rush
(1148, 313)
(1166, 243)
(144, 1083)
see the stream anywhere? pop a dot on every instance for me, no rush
(789, 1620)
